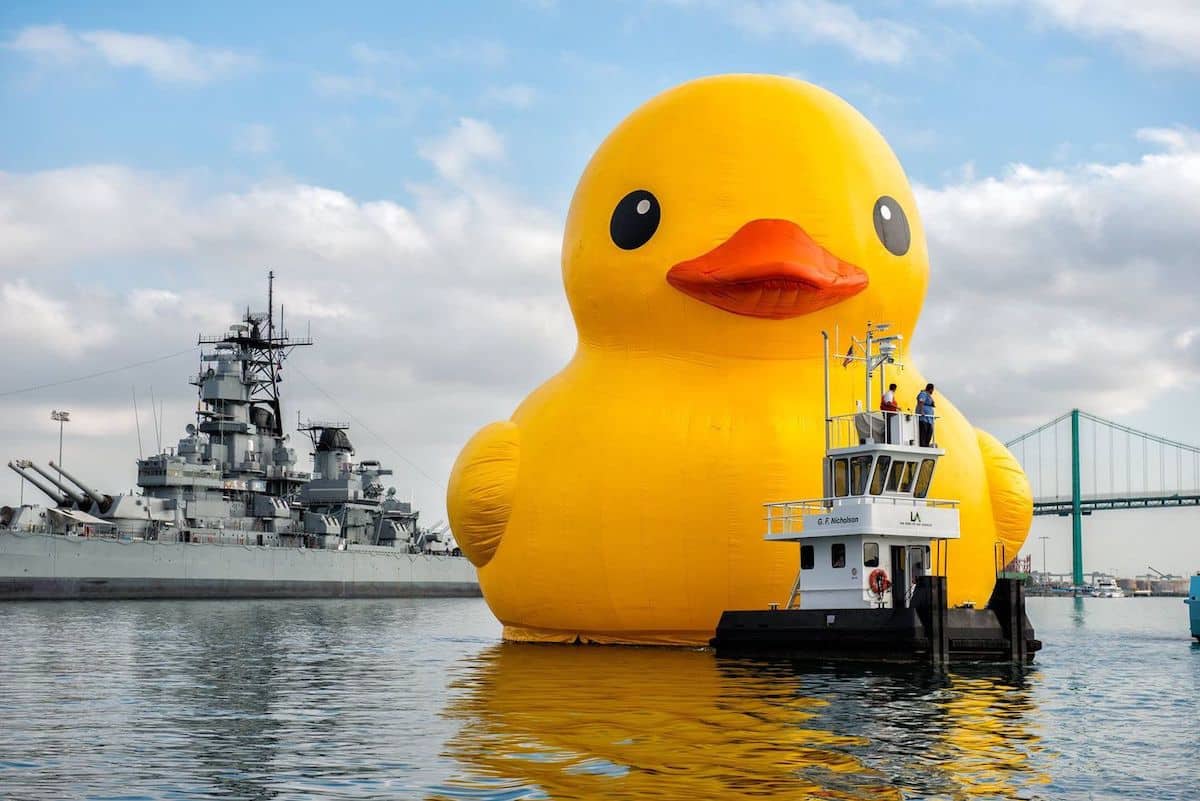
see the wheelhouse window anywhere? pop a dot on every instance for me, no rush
(841, 479)
(870, 554)
(893, 481)
(837, 554)
(907, 478)
(880, 474)
(860, 470)
(806, 557)
(924, 477)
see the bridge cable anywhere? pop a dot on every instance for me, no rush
(1056, 462)
(1095, 458)
(1144, 434)
(1128, 464)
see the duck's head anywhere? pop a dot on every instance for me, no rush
(740, 215)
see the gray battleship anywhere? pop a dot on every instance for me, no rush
(226, 513)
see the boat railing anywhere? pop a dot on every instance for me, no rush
(875, 428)
(787, 517)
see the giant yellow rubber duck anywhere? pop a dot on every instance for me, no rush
(713, 235)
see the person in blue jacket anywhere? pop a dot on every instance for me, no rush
(925, 413)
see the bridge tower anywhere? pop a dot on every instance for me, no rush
(1076, 506)
(1160, 485)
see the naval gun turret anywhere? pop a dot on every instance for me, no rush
(19, 467)
(103, 502)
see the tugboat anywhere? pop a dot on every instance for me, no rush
(873, 553)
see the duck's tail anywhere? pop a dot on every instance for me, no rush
(1012, 498)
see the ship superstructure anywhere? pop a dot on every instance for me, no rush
(874, 551)
(232, 479)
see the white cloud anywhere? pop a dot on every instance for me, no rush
(470, 141)
(872, 39)
(167, 59)
(475, 52)
(1053, 288)
(1158, 32)
(516, 95)
(35, 318)
(146, 304)
(401, 94)
(255, 139)
(431, 317)
(369, 56)
(53, 43)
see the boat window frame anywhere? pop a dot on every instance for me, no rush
(894, 475)
(834, 549)
(908, 478)
(859, 481)
(808, 557)
(843, 464)
(924, 478)
(871, 561)
(879, 474)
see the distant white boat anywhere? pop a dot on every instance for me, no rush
(1106, 587)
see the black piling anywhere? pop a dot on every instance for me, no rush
(1008, 602)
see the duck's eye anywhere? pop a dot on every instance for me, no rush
(634, 220)
(892, 226)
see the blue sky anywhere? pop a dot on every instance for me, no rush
(406, 171)
(350, 97)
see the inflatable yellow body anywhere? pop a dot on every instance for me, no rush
(712, 237)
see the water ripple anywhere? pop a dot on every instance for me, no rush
(418, 699)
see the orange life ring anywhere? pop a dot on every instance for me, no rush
(878, 581)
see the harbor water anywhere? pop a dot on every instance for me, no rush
(419, 699)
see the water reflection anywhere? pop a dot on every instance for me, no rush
(617, 723)
(237, 700)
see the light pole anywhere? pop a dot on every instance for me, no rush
(62, 416)
(1045, 570)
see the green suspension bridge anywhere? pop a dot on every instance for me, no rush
(1108, 466)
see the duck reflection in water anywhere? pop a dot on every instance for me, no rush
(541, 721)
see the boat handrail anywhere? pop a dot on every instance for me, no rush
(861, 427)
(787, 517)
(818, 505)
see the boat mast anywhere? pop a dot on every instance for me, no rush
(828, 419)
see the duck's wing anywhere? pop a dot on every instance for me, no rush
(1012, 498)
(482, 485)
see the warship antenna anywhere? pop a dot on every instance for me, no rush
(137, 421)
(264, 352)
(157, 428)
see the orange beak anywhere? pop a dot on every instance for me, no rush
(769, 268)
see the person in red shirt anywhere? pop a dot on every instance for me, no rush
(887, 404)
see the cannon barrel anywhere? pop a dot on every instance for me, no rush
(35, 481)
(103, 501)
(65, 489)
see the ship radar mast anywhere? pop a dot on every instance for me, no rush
(264, 353)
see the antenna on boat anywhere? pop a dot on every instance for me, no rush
(828, 418)
(157, 427)
(137, 421)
